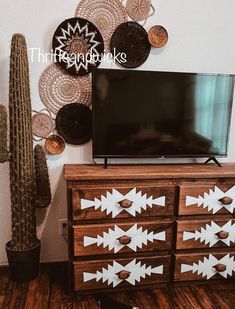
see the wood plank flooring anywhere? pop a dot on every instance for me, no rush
(48, 290)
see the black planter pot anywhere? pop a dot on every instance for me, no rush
(23, 265)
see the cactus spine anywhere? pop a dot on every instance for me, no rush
(4, 156)
(22, 173)
(43, 192)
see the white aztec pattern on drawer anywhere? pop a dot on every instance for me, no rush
(112, 239)
(210, 266)
(215, 200)
(133, 202)
(212, 233)
(114, 273)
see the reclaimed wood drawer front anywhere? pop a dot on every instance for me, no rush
(91, 275)
(207, 199)
(122, 202)
(121, 237)
(205, 266)
(205, 234)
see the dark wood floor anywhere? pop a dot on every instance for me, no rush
(49, 291)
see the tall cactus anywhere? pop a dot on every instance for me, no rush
(22, 173)
(4, 156)
(23, 251)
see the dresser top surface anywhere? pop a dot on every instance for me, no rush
(161, 171)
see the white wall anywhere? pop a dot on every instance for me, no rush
(201, 39)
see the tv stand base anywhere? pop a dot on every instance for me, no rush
(105, 163)
(214, 160)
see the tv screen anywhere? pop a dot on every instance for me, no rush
(160, 114)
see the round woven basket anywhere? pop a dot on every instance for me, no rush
(55, 144)
(106, 15)
(57, 88)
(139, 10)
(42, 123)
(78, 46)
(132, 39)
(158, 36)
(74, 123)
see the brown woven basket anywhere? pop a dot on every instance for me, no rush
(139, 10)
(42, 123)
(106, 15)
(55, 144)
(158, 36)
(132, 39)
(57, 88)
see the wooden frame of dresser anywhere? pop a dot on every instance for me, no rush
(77, 175)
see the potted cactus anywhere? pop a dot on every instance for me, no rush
(23, 250)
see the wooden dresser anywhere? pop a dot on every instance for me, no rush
(144, 226)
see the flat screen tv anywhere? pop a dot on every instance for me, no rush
(160, 114)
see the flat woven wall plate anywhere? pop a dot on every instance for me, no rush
(131, 39)
(57, 88)
(105, 14)
(74, 123)
(139, 9)
(42, 123)
(158, 36)
(55, 144)
(78, 46)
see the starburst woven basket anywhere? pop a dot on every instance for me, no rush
(57, 88)
(78, 46)
(106, 15)
(139, 10)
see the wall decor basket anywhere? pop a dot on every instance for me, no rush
(105, 14)
(43, 123)
(57, 88)
(139, 10)
(131, 39)
(74, 123)
(78, 46)
(158, 36)
(55, 144)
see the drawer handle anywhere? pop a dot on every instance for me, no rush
(124, 240)
(125, 203)
(220, 268)
(226, 200)
(123, 274)
(223, 235)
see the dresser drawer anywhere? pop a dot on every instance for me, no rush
(92, 275)
(122, 202)
(205, 234)
(190, 267)
(121, 237)
(207, 199)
